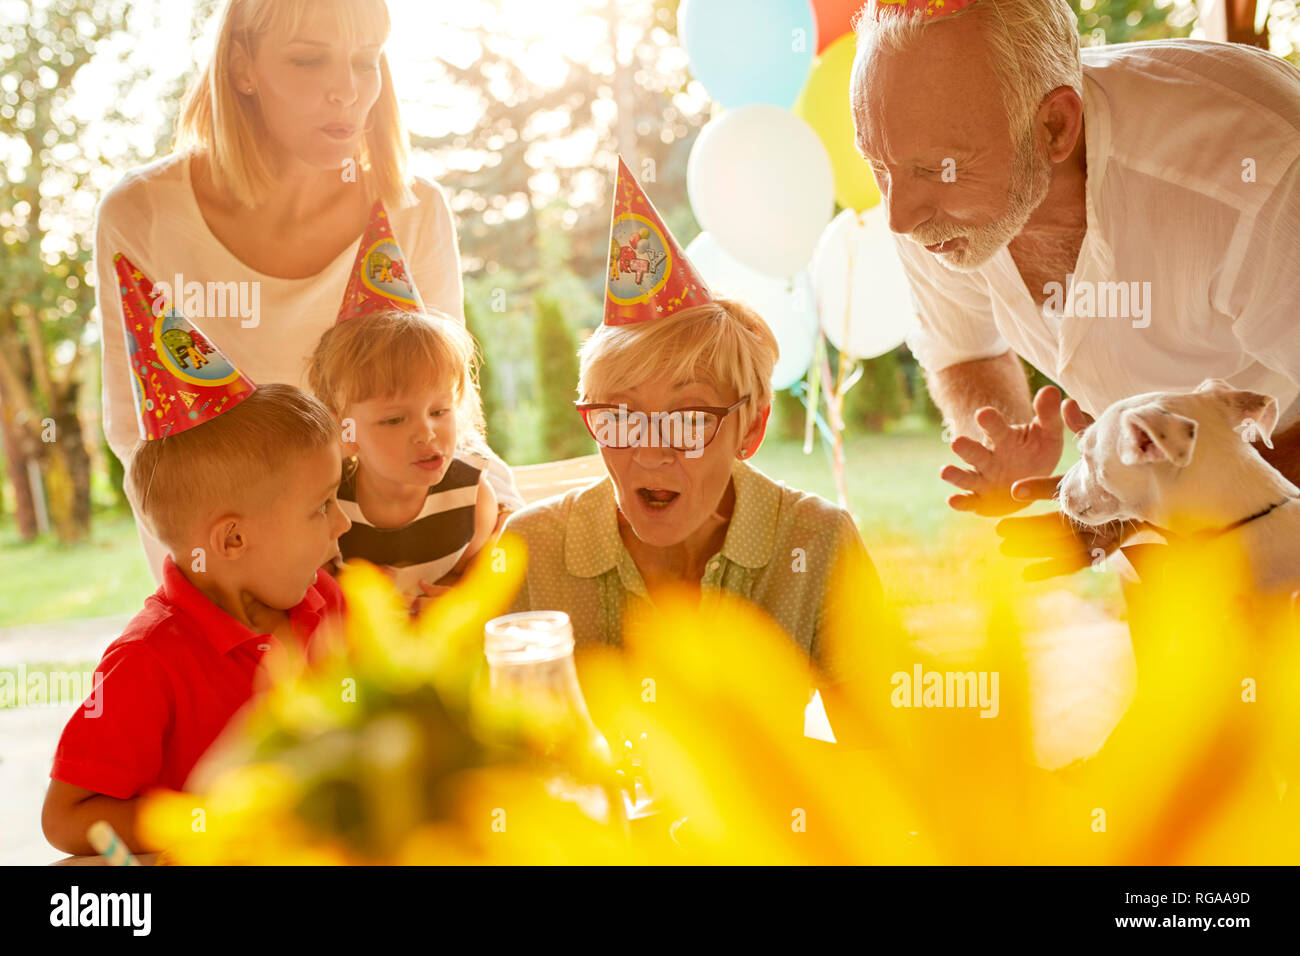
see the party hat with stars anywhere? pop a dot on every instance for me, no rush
(929, 9)
(649, 275)
(179, 378)
(380, 278)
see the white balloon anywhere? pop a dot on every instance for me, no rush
(760, 181)
(788, 306)
(863, 296)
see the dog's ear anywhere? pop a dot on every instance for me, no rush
(1149, 433)
(1255, 415)
(1214, 385)
(1252, 415)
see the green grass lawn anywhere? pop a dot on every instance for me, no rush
(45, 581)
(922, 548)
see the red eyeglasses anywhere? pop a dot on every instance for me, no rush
(682, 429)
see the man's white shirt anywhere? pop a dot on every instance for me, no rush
(1193, 189)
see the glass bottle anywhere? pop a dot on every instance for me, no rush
(530, 663)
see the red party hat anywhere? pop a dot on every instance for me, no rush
(380, 279)
(179, 378)
(649, 275)
(927, 8)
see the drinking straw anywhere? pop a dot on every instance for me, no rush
(103, 838)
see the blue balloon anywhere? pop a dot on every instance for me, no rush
(749, 51)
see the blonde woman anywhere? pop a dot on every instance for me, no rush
(284, 143)
(702, 516)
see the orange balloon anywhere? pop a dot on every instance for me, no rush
(833, 19)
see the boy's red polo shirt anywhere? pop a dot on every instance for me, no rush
(170, 684)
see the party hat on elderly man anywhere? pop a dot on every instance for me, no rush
(380, 280)
(649, 275)
(927, 8)
(179, 378)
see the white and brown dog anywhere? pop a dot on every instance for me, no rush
(1183, 462)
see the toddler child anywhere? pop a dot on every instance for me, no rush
(401, 384)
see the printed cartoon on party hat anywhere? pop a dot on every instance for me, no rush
(649, 275)
(380, 278)
(179, 378)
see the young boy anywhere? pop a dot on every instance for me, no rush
(240, 483)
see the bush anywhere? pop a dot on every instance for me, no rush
(788, 416)
(878, 397)
(556, 356)
(494, 413)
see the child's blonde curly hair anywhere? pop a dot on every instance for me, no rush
(391, 353)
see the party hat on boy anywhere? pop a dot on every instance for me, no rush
(649, 275)
(380, 278)
(179, 378)
(929, 9)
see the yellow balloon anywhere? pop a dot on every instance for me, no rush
(824, 105)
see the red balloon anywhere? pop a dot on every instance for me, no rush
(833, 18)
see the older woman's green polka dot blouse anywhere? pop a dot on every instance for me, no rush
(778, 553)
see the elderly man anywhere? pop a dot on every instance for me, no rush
(1126, 219)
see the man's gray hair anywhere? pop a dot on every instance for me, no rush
(1033, 46)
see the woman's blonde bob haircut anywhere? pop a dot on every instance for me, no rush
(724, 342)
(225, 125)
(393, 353)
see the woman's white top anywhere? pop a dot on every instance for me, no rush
(267, 326)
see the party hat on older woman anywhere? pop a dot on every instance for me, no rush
(649, 275)
(380, 279)
(179, 378)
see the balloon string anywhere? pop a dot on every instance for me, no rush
(843, 379)
(801, 391)
(837, 429)
(848, 292)
(813, 390)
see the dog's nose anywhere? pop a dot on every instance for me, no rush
(1068, 503)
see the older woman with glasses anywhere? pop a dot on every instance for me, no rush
(677, 406)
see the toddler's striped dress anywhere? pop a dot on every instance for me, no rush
(430, 545)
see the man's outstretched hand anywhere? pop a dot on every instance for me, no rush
(1009, 454)
(1064, 545)
(1012, 469)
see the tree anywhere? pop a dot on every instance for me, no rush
(877, 398)
(1126, 21)
(60, 159)
(494, 417)
(45, 301)
(515, 188)
(789, 416)
(556, 353)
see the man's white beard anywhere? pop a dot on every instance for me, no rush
(1031, 175)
